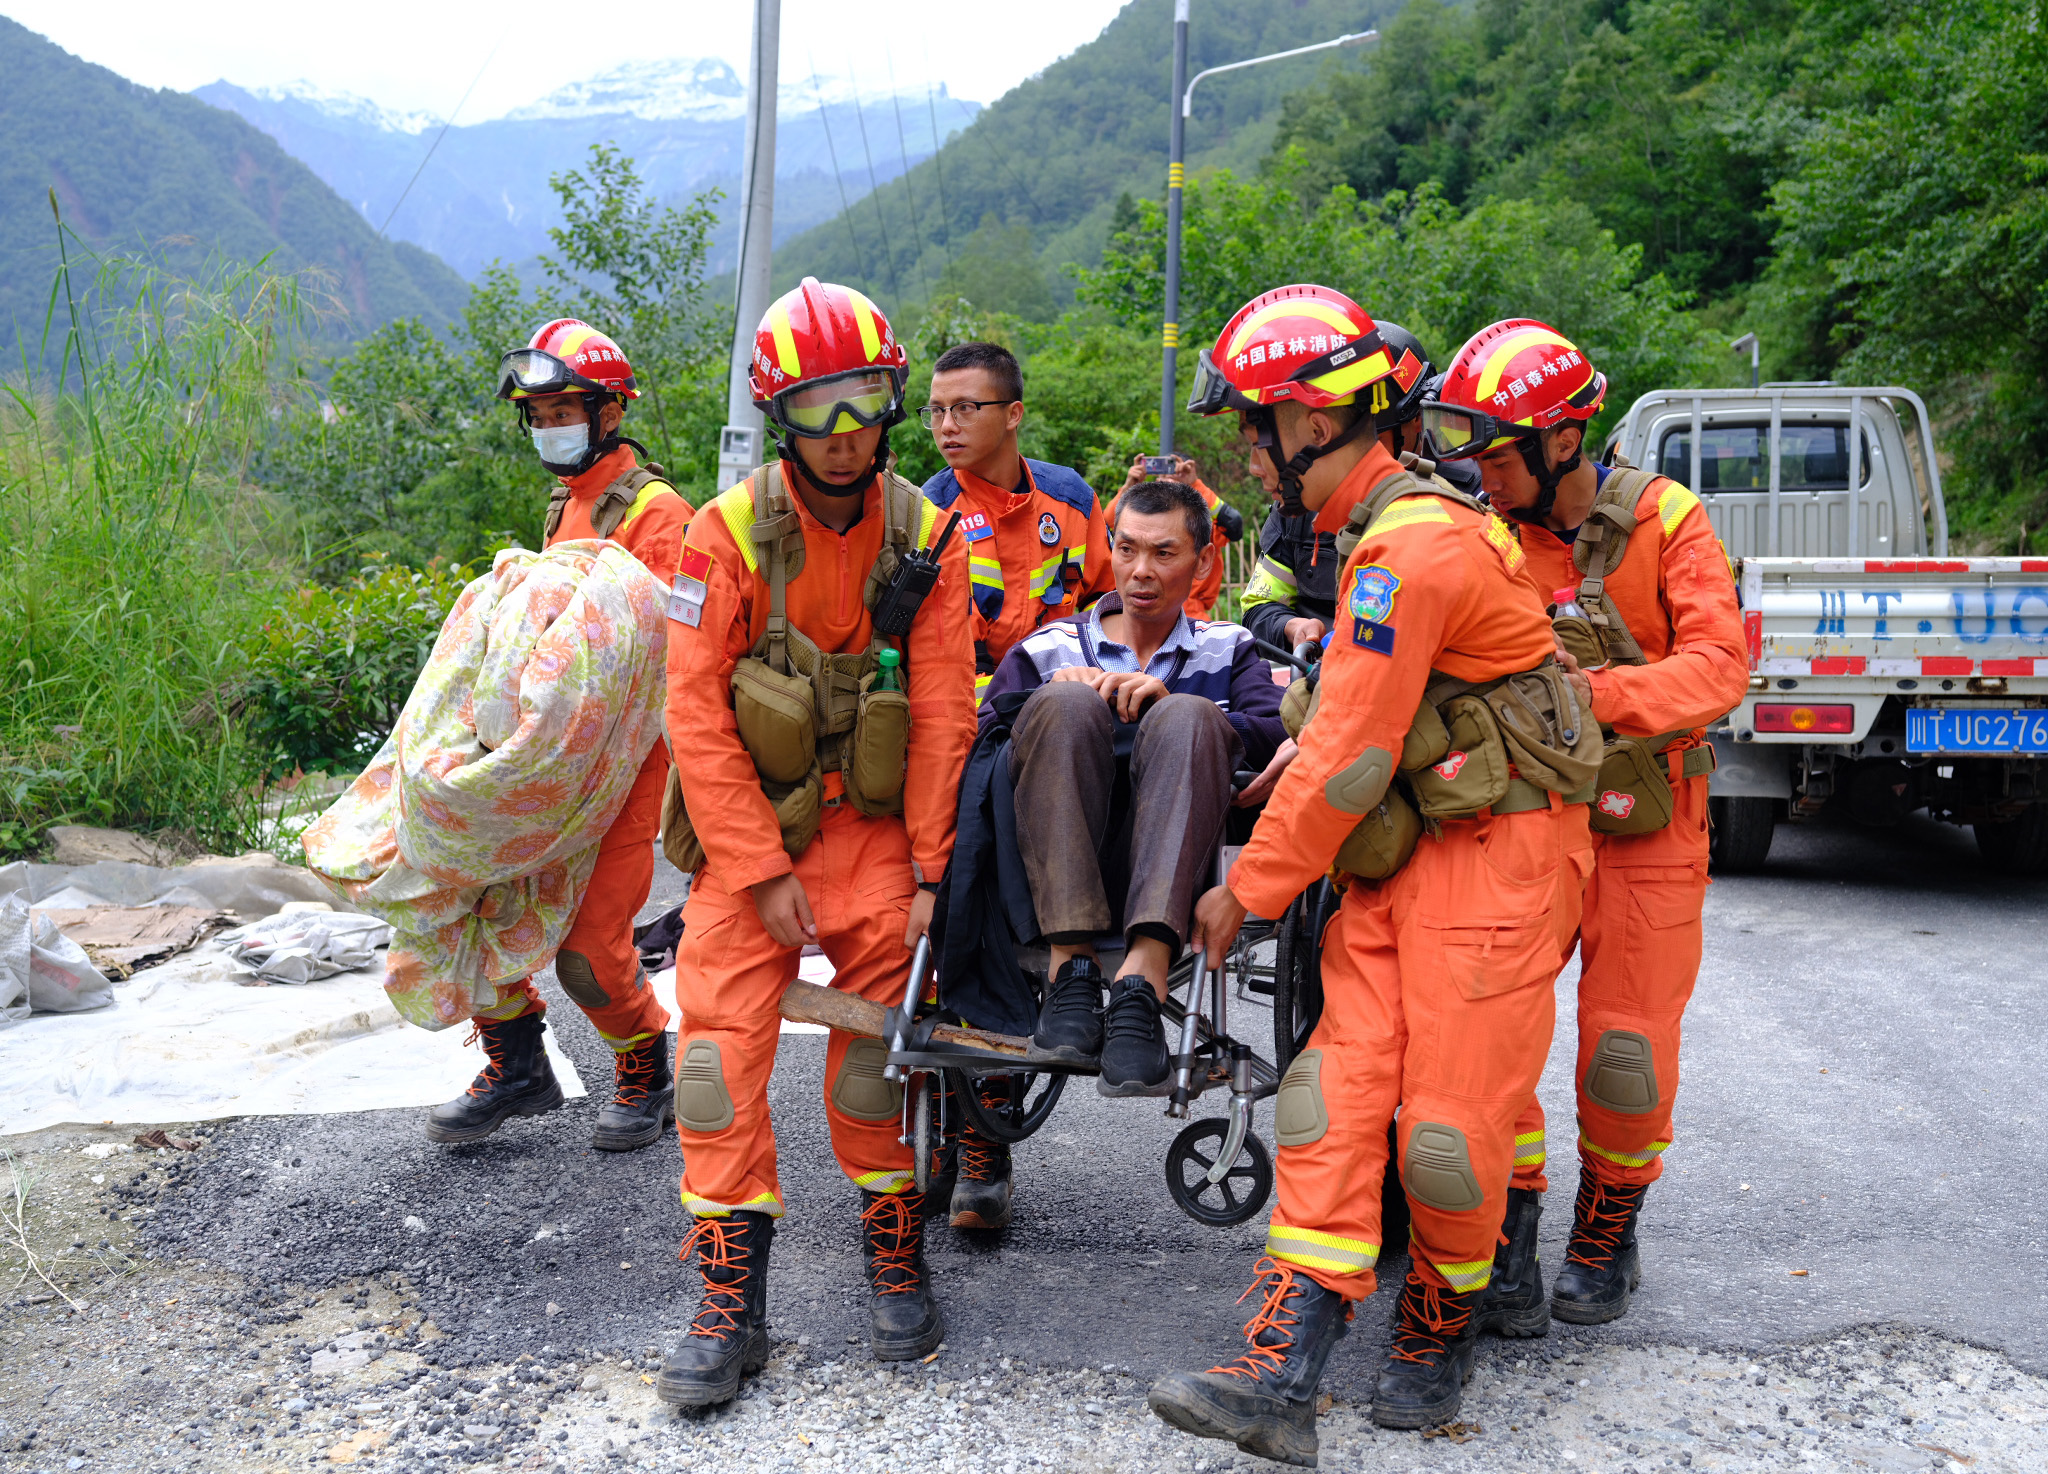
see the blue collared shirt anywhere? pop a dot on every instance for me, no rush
(1109, 655)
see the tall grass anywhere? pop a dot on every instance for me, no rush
(140, 559)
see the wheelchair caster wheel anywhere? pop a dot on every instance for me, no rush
(1243, 1189)
(923, 1137)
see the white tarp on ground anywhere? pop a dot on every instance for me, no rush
(192, 1040)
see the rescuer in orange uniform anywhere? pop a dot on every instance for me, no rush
(571, 384)
(777, 693)
(1226, 526)
(1036, 546)
(1677, 663)
(1437, 981)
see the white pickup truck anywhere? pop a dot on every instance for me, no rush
(1885, 675)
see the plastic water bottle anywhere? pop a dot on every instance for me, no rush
(890, 676)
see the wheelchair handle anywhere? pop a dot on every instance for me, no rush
(920, 963)
(1296, 659)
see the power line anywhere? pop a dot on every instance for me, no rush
(910, 194)
(845, 209)
(875, 194)
(938, 147)
(438, 137)
(1002, 162)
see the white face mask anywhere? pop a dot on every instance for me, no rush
(564, 445)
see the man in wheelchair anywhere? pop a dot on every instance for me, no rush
(1121, 758)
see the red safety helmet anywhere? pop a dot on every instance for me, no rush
(566, 356)
(1508, 382)
(826, 362)
(1305, 343)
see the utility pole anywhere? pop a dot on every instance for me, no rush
(1176, 179)
(1176, 176)
(740, 446)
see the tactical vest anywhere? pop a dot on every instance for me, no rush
(803, 713)
(1638, 775)
(622, 501)
(1501, 746)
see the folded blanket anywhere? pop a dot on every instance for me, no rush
(474, 830)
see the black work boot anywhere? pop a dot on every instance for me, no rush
(1601, 1264)
(728, 1338)
(1513, 1302)
(1070, 1023)
(981, 1196)
(903, 1315)
(1265, 1401)
(643, 1099)
(517, 1080)
(1134, 1056)
(1430, 1359)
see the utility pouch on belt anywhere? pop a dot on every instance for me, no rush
(1553, 742)
(678, 834)
(777, 721)
(877, 755)
(1473, 772)
(1383, 840)
(1580, 640)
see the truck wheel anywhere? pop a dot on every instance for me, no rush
(2017, 846)
(1741, 833)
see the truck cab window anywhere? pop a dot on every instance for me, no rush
(1734, 457)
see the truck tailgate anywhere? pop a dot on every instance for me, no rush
(1952, 617)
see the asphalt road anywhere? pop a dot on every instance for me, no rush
(1861, 1101)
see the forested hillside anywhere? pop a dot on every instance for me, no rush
(162, 173)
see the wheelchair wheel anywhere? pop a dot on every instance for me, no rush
(1297, 975)
(924, 1133)
(1244, 1188)
(1030, 1099)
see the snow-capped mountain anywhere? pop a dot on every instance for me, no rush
(484, 193)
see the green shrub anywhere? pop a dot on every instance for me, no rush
(329, 672)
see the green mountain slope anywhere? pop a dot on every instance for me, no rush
(136, 169)
(1056, 153)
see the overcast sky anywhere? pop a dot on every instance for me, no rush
(417, 56)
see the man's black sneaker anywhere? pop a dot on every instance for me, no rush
(1134, 1057)
(1602, 1265)
(516, 1081)
(1070, 1024)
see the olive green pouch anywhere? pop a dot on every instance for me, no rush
(1472, 775)
(775, 719)
(1383, 840)
(678, 835)
(1428, 740)
(878, 753)
(1633, 792)
(1554, 742)
(1299, 704)
(1576, 634)
(799, 809)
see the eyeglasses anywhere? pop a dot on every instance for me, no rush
(962, 411)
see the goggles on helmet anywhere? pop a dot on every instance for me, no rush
(1213, 393)
(1460, 433)
(526, 372)
(859, 400)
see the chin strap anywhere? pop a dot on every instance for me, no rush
(592, 454)
(1547, 478)
(1268, 440)
(788, 453)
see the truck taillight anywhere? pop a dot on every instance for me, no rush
(1785, 717)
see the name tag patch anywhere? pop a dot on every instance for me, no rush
(976, 526)
(1378, 638)
(686, 594)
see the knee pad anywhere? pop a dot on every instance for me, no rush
(702, 1103)
(579, 980)
(859, 1090)
(1622, 1074)
(1438, 1171)
(1299, 1115)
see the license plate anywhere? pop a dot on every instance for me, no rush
(1976, 729)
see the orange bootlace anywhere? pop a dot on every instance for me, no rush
(981, 1160)
(1600, 1218)
(486, 1029)
(1424, 1326)
(715, 1242)
(1275, 1314)
(896, 1233)
(633, 1075)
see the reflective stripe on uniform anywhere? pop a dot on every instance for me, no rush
(1048, 573)
(1529, 1149)
(981, 685)
(1319, 1250)
(737, 508)
(1409, 511)
(624, 1046)
(884, 1182)
(704, 1208)
(1641, 1158)
(1464, 1278)
(1673, 504)
(641, 503)
(986, 573)
(1270, 584)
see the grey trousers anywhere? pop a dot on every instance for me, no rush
(1158, 851)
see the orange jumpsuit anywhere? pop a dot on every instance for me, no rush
(858, 873)
(1438, 981)
(1032, 557)
(1201, 600)
(1640, 940)
(621, 1005)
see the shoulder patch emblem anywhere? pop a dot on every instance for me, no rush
(1372, 593)
(1048, 528)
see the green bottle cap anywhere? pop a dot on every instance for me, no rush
(890, 659)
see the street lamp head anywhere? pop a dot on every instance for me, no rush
(1361, 38)
(1744, 344)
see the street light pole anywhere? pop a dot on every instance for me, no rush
(1176, 174)
(739, 443)
(1176, 178)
